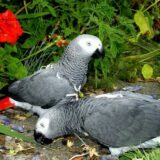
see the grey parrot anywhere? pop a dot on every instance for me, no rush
(49, 85)
(120, 120)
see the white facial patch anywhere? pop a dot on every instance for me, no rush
(90, 44)
(109, 95)
(43, 126)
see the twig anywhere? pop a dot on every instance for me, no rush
(45, 147)
(80, 139)
(79, 155)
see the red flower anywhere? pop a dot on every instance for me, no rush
(10, 28)
(61, 43)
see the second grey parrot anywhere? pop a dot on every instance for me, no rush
(48, 86)
(120, 120)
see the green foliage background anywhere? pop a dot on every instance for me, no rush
(129, 30)
(128, 44)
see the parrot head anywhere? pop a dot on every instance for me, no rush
(86, 46)
(49, 126)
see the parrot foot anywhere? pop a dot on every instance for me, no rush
(73, 95)
(77, 89)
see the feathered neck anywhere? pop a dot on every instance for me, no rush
(74, 67)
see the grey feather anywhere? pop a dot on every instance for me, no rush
(114, 122)
(44, 88)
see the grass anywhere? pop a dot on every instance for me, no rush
(9, 132)
(151, 154)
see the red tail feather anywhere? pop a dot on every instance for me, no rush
(6, 103)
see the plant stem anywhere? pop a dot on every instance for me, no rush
(25, 6)
(156, 1)
(37, 52)
(143, 56)
(21, 9)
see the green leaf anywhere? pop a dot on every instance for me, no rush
(32, 15)
(147, 71)
(30, 42)
(15, 68)
(52, 10)
(143, 23)
(68, 31)
(2, 51)
(9, 48)
(9, 132)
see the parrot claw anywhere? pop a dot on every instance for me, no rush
(49, 66)
(77, 89)
(73, 95)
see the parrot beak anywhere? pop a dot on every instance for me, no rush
(40, 138)
(99, 52)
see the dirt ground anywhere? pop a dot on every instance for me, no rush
(57, 150)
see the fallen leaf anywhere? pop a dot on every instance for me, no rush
(16, 149)
(12, 152)
(20, 117)
(147, 71)
(15, 146)
(92, 151)
(28, 115)
(70, 143)
(19, 147)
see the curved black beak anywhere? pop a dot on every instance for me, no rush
(98, 53)
(40, 138)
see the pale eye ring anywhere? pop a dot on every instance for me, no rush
(89, 43)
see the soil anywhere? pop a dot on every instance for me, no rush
(58, 150)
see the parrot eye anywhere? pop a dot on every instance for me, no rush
(42, 125)
(88, 43)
